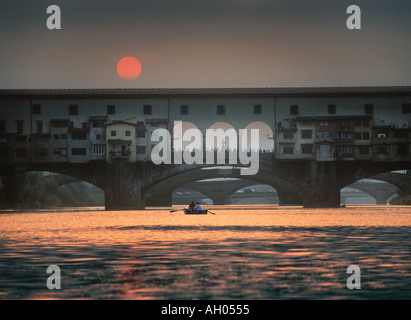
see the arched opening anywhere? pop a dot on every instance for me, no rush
(185, 195)
(255, 194)
(44, 189)
(226, 142)
(160, 193)
(181, 132)
(224, 191)
(266, 136)
(385, 188)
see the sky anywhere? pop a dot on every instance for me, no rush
(205, 43)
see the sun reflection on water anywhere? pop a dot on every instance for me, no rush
(259, 253)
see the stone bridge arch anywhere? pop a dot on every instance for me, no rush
(395, 183)
(39, 187)
(160, 193)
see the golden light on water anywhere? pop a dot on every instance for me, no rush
(256, 253)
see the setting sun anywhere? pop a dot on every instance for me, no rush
(129, 68)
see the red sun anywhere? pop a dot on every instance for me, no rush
(129, 68)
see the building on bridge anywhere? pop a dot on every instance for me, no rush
(81, 126)
(322, 124)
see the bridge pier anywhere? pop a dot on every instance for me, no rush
(124, 185)
(289, 199)
(321, 188)
(221, 199)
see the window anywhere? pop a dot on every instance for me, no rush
(97, 123)
(366, 123)
(220, 109)
(73, 110)
(323, 123)
(147, 109)
(319, 135)
(325, 133)
(78, 151)
(36, 109)
(288, 135)
(128, 133)
(257, 109)
(358, 136)
(63, 137)
(288, 150)
(113, 133)
(99, 149)
(307, 148)
(183, 109)
(357, 123)
(84, 125)
(364, 150)
(141, 132)
(40, 151)
(306, 134)
(324, 148)
(344, 149)
(368, 108)
(19, 124)
(60, 152)
(342, 135)
(98, 137)
(294, 110)
(78, 136)
(381, 135)
(366, 136)
(141, 149)
(332, 109)
(39, 126)
(406, 108)
(111, 109)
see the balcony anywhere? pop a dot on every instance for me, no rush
(123, 154)
(318, 140)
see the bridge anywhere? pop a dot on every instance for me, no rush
(312, 141)
(223, 191)
(226, 190)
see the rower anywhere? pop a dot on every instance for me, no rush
(191, 206)
(198, 207)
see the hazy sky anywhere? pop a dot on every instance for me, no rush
(205, 43)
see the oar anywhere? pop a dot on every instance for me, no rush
(211, 212)
(176, 210)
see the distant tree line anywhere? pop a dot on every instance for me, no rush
(32, 190)
(401, 200)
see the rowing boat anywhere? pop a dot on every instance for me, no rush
(188, 211)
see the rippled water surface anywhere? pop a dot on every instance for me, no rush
(258, 253)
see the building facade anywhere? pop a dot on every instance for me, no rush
(318, 124)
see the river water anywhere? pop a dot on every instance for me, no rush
(259, 252)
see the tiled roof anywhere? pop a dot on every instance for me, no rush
(286, 91)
